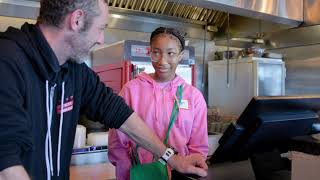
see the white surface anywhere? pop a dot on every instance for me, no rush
(98, 139)
(80, 138)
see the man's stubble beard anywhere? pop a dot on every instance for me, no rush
(80, 48)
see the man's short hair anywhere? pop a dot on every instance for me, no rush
(53, 12)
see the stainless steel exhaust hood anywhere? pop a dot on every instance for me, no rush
(162, 9)
(139, 15)
(210, 12)
(280, 11)
(278, 37)
(190, 16)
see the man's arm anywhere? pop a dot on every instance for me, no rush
(137, 130)
(15, 134)
(13, 173)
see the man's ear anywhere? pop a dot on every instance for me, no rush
(77, 20)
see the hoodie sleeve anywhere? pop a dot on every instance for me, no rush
(99, 103)
(15, 136)
(198, 142)
(118, 146)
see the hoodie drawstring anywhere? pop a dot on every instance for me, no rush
(48, 141)
(60, 128)
(48, 144)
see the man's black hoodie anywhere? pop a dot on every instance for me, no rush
(31, 89)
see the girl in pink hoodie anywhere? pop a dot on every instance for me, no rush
(152, 97)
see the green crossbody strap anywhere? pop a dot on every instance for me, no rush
(175, 111)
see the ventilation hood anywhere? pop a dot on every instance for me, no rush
(211, 12)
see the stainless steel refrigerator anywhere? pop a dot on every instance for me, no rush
(248, 77)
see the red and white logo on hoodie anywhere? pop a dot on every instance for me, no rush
(67, 105)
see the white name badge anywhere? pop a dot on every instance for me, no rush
(184, 104)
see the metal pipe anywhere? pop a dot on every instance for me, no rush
(228, 50)
(204, 55)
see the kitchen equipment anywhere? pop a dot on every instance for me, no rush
(249, 77)
(253, 51)
(89, 155)
(272, 55)
(222, 55)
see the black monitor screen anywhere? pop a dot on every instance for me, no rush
(267, 123)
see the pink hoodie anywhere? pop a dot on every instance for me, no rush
(188, 135)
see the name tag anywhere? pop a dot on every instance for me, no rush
(184, 104)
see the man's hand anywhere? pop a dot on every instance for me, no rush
(192, 164)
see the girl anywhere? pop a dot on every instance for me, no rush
(152, 96)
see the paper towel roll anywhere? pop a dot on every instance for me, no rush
(98, 139)
(80, 138)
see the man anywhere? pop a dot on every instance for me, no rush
(45, 86)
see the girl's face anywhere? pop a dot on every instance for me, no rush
(165, 55)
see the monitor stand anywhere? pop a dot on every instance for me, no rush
(270, 166)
